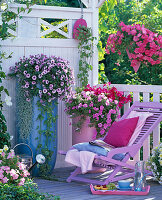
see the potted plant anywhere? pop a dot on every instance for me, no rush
(143, 47)
(95, 107)
(155, 163)
(41, 80)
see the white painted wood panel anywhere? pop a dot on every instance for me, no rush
(28, 42)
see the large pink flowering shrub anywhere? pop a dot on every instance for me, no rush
(142, 45)
(101, 105)
(11, 170)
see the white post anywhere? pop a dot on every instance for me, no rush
(136, 98)
(156, 131)
(94, 78)
(146, 144)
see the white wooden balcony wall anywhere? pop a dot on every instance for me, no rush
(28, 41)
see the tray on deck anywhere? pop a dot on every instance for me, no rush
(119, 192)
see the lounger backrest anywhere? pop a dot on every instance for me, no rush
(151, 122)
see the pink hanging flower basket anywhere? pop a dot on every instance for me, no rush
(142, 45)
(78, 23)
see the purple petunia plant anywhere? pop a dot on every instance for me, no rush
(43, 76)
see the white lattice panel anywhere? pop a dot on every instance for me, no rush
(12, 32)
(52, 28)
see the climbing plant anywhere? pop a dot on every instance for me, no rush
(85, 47)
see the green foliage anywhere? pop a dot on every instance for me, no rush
(4, 135)
(149, 13)
(102, 78)
(26, 192)
(155, 163)
(48, 133)
(24, 114)
(65, 3)
(85, 46)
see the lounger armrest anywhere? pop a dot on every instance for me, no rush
(128, 149)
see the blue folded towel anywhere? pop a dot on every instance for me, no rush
(85, 146)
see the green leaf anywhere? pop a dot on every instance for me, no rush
(6, 91)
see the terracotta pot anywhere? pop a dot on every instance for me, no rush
(85, 134)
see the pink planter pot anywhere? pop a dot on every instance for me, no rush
(85, 134)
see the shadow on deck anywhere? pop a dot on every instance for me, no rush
(81, 191)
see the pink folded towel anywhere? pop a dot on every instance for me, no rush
(82, 159)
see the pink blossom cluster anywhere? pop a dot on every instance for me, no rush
(46, 77)
(101, 105)
(11, 170)
(141, 44)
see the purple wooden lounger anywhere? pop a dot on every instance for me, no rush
(129, 151)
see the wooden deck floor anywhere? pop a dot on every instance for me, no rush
(81, 191)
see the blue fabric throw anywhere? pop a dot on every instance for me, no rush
(85, 146)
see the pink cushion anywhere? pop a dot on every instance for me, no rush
(120, 132)
(142, 118)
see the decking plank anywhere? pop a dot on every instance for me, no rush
(81, 191)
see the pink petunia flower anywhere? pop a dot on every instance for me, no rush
(1, 176)
(22, 181)
(5, 180)
(100, 125)
(21, 166)
(26, 173)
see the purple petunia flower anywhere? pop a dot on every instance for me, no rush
(27, 75)
(34, 77)
(100, 125)
(26, 85)
(62, 83)
(25, 72)
(44, 91)
(58, 90)
(40, 76)
(37, 68)
(27, 99)
(47, 81)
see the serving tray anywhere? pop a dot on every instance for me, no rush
(119, 192)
